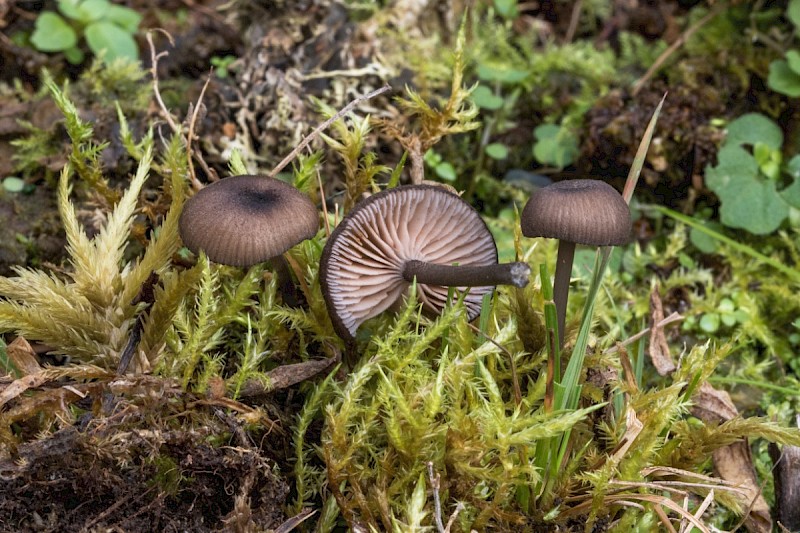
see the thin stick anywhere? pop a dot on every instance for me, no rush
(437, 503)
(324, 206)
(674, 317)
(154, 57)
(674, 47)
(573, 21)
(311, 136)
(190, 137)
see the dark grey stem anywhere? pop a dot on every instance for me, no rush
(566, 252)
(467, 276)
(290, 294)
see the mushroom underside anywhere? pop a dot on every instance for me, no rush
(363, 263)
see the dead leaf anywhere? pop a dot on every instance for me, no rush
(713, 405)
(734, 463)
(658, 346)
(633, 426)
(23, 357)
(18, 386)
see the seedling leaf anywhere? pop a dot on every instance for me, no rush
(110, 37)
(52, 33)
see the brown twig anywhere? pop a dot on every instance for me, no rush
(574, 18)
(190, 138)
(680, 41)
(674, 317)
(311, 136)
(435, 478)
(154, 57)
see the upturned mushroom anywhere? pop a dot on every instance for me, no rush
(245, 220)
(583, 211)
(391, 238)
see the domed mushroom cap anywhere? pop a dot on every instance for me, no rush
(361, 271)
(588, 212)
(244, 220)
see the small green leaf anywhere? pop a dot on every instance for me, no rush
(94, 9)
(748, 201)
(783, 79)
(74, 55)
(753, 128)
(709, 322)
(769, 160)
(446, 171)
(484, 98)
(497, 151)
(793, 12)
(124, 17)
(13, 184)
(793, 167)
(793, 58)
(702, 241)
(501, 73)
(111, 38)
(791, 194)
(555, 146)
(726, 305)
(52, 33)
(506, 8)
(71, 9)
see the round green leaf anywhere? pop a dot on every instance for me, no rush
(71, 9)
(486, 99)
(783, 79)
(497, 151)
(793, 59)
(709, 322)
(702, 241)
(13, 184)
(111, 38)
(94, 9)
(124, 17)
(793, 12)
(74, 55)
(52, 33)
(506, 8)
(753, 128)
(501, 73)
(446, 171)
(546, 131)
(791, 194)
(555, 146)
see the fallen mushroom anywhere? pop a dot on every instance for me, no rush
(583, 211)
(245, 220)
(395, 236)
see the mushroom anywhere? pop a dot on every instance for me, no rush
(395, 236)
(245, 220)
(579, 211)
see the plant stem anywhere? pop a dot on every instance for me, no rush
(467, 276)
(566, 253)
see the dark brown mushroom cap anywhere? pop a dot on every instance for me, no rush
(588, 212)
(244, 220)
(361, 271)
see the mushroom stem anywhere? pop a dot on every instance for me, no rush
(291, 296)
(467, 276)
(566, 253)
